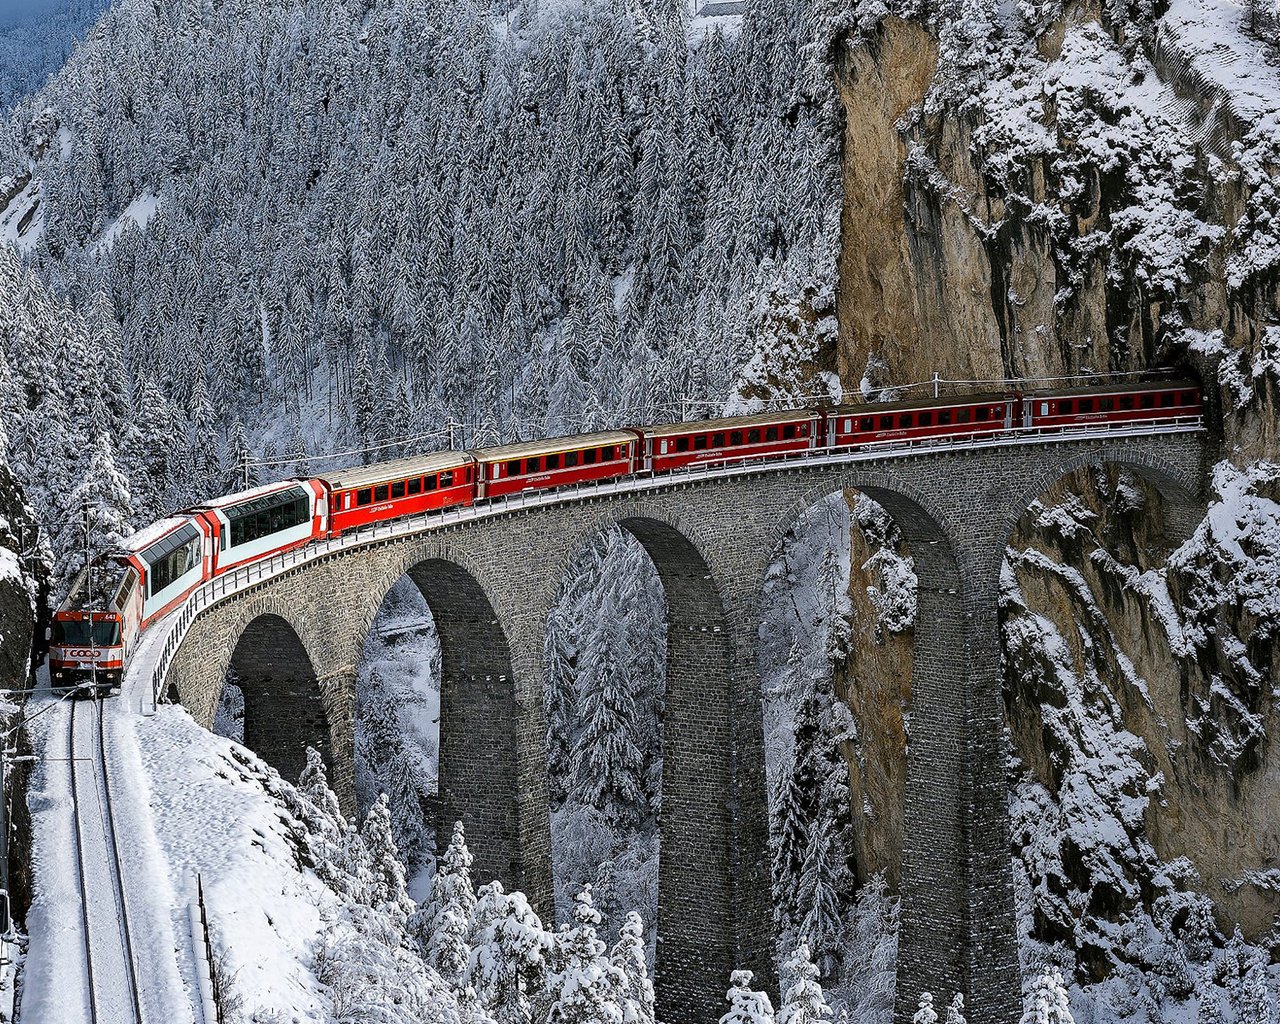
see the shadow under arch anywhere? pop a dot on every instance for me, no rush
(479, 718)
(284, 705)
(698, 930)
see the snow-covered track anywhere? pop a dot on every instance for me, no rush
(110, 965)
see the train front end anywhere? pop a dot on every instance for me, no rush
(86, 651)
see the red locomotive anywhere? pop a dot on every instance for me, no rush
(95, 629)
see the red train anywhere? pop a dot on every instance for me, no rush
(95, 629)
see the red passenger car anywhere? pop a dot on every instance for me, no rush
(540, 465)
(388, 490)
(1116, 404)
(672, 445)
(933, 417)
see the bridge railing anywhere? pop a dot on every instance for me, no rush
(247, 576)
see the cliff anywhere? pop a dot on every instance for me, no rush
(1042, 190)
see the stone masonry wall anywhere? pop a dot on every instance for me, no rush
(492, 582)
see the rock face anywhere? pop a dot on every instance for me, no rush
(23, 585)
(1076, 190)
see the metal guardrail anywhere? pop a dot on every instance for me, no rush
(248, 576)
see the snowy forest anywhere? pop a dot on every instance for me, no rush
(243, 241)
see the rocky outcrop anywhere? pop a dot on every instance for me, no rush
(1071, 191)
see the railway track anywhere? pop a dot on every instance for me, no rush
(110, 965)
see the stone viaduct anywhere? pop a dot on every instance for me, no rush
(296, 641)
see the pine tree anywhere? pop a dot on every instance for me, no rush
(102, 499)
(628, 957)
(391, 893)
(926, 1013)
(509, 950)
(1049, 1003)
(588, 988)
(955, 1011)
(746, 1006)
(314, 785)
(804, 1002)
(452, 900)
(1257, 1005)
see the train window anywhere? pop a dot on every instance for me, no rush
(886, 422)
(532, 465)
(753, 437)
(1188, 398)
(1126, 401)
(1166, 399)
(717, 440)
(735, 438)
(380, 492)
(513, 467)
(175, 556)
(1106, 404)
(682, 444)
(789, 432)
(848, 426)
(1086, 405)
(700, 443)
(570, 459)
(963, 415)
(446, 478)
(944, 417)
(553, 461)
(415, 485)
(904, 420)
(868, 423)
(259, 517)
(804, 430)
(664, 446)
(925, 419)
(1148, 401)
(589, 457)
(397, 489)
(771, 434)
(364, 497)
(981, 413)
(432, 482)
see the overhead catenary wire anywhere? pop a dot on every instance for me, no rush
(584, 424)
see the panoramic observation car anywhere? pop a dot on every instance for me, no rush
(96, 627)
(671, 445)
(388, 490)
(538, 465)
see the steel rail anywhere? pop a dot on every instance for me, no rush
(117, 865)
(251, 575)
(84, 880)
(101, 793)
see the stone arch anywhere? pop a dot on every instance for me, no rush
(700, 935)
(1179, 487)
(936, 914)
(285, 707)
(477, 776)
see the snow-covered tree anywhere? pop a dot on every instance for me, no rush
(746, 1005)
(101, 504)
(1049, 1003)
(925, 1014)
(441, 924)
(803, 1002)
(391, 893)
(313, 783)
(628, 957)
(955, 1010)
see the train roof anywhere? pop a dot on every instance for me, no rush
(107, 575)
(148, 535)
(1172, 384)
(552, 445)
(941, 402)
(253, 492)
(396, 469)
(762, 419)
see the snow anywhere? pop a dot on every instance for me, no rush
(22, 220)
(139, 211)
